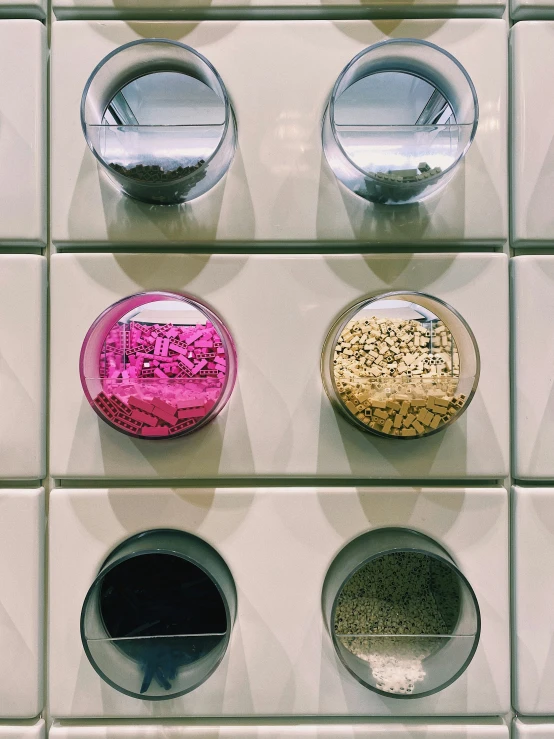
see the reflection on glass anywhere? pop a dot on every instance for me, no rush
(396, 126)
(161, 128)
(166, 135)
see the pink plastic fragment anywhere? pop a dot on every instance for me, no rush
(169, 418)
(191, 339)
(188, 364)
(167, 407)
(140, 404)
(160, 380)
(191, 413)
(197, 367)
(155, 431)
(192, 403)
(186, 424)
(144, 418)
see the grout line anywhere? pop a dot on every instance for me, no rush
(272, 482)
(289, 247)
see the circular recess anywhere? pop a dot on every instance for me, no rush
(400, 365)
(156, 115)
(157, 620)
(400, 119)
(403, 618)
(157, 365)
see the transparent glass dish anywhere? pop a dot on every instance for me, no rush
(156, 115)
(401, 365)
(158, 365)
(399, 121)
(403, 618)
(157, 620)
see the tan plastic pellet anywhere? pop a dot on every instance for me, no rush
(385, 364)
(435, 421)
(428, 418)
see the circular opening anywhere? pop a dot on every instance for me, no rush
(157, 620)
(400, 365)
(401, 116)
(156, 115)
(158, 365)
(403, 618)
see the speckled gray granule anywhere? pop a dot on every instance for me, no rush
(402, 593)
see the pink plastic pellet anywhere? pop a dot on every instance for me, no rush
(160, 380)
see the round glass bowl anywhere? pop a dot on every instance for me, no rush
(400, 365)
(156, 115)
(157, 620)
(157, 365)
(401, 117)
(403, 618)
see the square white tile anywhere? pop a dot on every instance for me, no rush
(22, 612)
(532, 728)
(532, 145)
(279, 421)
(23, 131)
(407, 729)
(23, 9)
(278, 544)
(533, 602)
(531, 10)
(533, 357)
(156, 9)
(279, 187)
(23, 366)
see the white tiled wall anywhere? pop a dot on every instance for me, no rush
(491, 729)
(279, 121)
(279, 421)
(70, 246)
(278, 543)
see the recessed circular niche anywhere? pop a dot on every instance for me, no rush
(158, 365)
(156, 115)
(157, 620)
(403, 618)
(400, 119)
(400, 365)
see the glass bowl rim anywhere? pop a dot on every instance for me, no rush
(404, 40)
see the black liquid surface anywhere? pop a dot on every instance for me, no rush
(160, 595)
